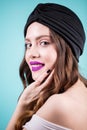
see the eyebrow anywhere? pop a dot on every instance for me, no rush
(38, 37)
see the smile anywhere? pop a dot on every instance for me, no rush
(35, 65)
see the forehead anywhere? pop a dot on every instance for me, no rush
(36, 29)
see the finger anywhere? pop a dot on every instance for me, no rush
(42, 77)
(40, 80)
(47, 80)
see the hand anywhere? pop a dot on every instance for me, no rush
(33, 90)
(30, 94)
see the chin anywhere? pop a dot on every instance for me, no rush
(34, 77)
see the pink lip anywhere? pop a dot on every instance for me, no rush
(36, 65)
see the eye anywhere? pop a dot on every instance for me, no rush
(28, 45)
(44, 43)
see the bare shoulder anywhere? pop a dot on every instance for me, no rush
(55, 103)
(63, 110)
(55, 109)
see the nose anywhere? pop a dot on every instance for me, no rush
(34, 52)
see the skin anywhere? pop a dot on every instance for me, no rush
(29, 94)
(71, 106)
(69, 111)
(39, 47)
(38, 52)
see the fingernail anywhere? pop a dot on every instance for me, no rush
(48, 71)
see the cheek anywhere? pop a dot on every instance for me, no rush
(51, 58)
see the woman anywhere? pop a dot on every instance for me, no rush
(55, 93)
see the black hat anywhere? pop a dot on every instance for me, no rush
(63, 21)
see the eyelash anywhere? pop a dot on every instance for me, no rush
(43, 43)
(28, 45)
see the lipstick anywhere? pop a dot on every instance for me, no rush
(35, 65)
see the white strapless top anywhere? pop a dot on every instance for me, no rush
(38, 123)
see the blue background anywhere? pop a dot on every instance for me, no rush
(13, 15)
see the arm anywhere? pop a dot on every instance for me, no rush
(29, 94)
(16, 115)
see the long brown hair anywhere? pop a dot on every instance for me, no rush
(65, 76)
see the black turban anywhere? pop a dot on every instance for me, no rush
(63, 21)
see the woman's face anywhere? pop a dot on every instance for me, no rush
(41, 52)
